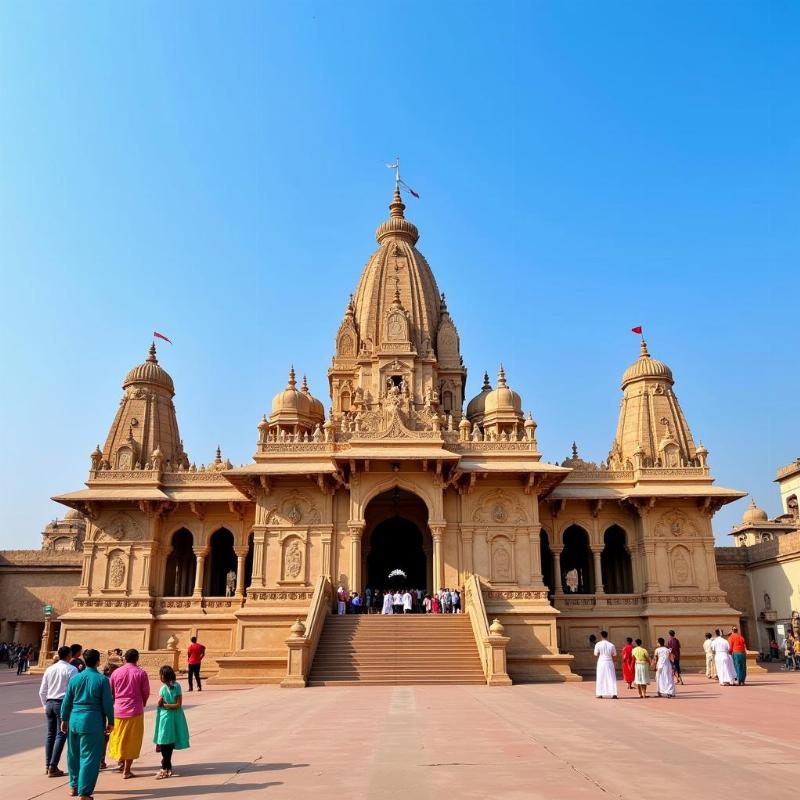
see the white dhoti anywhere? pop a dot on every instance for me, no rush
(606, 685)
(387, 605)
(665, 683)
(724, 664)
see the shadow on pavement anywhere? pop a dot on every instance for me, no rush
(168, 789)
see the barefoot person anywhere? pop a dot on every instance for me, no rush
(642, 668)
(171, 731)
(664, 665)
(87, 712)
(131, 688)
(606, 683)
(628, 663)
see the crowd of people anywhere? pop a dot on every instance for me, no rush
(399, 601)
(725, 659)
(97, 712)
(790, 648)
(18, 655)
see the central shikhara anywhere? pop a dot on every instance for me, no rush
(397, 470)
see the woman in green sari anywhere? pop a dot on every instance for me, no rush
(171, 731)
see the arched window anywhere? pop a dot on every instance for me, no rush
(546, 555)
(181, 565)
(616, 562)
(447, 401)
(221, 563)
(576, 562)
(345, 402)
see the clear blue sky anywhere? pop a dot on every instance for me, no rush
(216, 171)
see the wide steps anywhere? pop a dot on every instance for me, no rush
(396, 650)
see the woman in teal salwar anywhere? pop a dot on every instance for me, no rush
(87, 714)
(171, 731)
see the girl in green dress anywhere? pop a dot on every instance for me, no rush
(171, 732)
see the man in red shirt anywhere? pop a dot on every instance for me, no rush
(738, 654)
(195, 655)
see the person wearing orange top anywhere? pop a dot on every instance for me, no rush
(738, 654)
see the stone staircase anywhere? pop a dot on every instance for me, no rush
(396, 650)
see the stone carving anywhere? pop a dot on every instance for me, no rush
(516, 595)
(346, 347)
(279, 595)
(498, 507)
(675, 523)
(293, 560)
(499, 513)
(502, 564)
(681, 567)
(230, 583)
(295, 508)
(396, 327)
(116, 572)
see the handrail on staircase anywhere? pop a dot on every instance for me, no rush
(491, 642)
(304, 638)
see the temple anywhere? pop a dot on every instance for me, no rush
(406, 471)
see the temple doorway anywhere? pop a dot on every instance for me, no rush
(398, 546)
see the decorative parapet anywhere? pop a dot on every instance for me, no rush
(789, 469)
(635, 475)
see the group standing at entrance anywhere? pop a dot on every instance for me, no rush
(398, 601)
(725, 659)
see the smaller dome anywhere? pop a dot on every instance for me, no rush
(646, 367)
(502, 399)
(317, 409)
(397, 226)
(477, 406)
(73, 514)
(150, 372)
(291, 400)
(754, 515)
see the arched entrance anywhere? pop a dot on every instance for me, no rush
(397, 540)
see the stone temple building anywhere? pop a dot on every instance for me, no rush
(408, 470)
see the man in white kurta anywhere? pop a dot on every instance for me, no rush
(407, 602)
(387, 604)
(711, 667)
(723, 660)
(605, 652)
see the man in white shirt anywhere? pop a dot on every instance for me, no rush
(606, 684)
(51, 693)
(406, 602)
(711, 667)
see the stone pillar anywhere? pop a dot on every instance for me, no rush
(534, 537)
(257, 579)
(145, 583)
(356, 530)
(466, 542)
(326, 540)
(86, 570)
(241, 555)
(649, 550)
(46, 646)
(437, 534)
(559, 586)
(597, 551)
(200, 571)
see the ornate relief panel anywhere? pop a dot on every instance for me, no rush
(120, 527)
(681, 567)
(502, 551)
(497, 507)
(296, 508)
(117, 563)
(674, 523)
(294, 557)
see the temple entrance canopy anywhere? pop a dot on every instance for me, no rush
(398, 547)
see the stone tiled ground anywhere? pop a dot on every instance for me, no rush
(526, 742)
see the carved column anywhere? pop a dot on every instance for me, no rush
(597, 551)
(648, 548)
(356, 530)
(200, 571)
(466, 540)
(437, 534)
(259, 535)
(559, 585)
(534, 537)
(326, 539)
(86, 570)
(241, 555)
(145, 583)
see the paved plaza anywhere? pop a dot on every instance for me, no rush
(520, 743)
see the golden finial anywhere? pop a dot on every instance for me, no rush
(152, 354)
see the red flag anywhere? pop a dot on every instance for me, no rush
(637, 329)
(161, 336)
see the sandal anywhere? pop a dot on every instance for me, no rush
(161, 774)
(127, 775)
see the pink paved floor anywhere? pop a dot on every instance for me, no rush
(526, 742)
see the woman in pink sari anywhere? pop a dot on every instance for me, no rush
(628, 663)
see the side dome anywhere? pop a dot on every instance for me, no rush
(316, 409)
(291, 400)
(150, 372)
(646, 367)
(502, 399)
(476, 407)
(73, 514)
(754, 515)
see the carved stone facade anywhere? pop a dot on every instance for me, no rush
(397, 469)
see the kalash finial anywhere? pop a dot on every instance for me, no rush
(304, 387)
(396, 207)
(292, 381)
(574, 450)
(487, 387)
(218, 456)
(501, 377)
(643, 350)
(151, 357)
